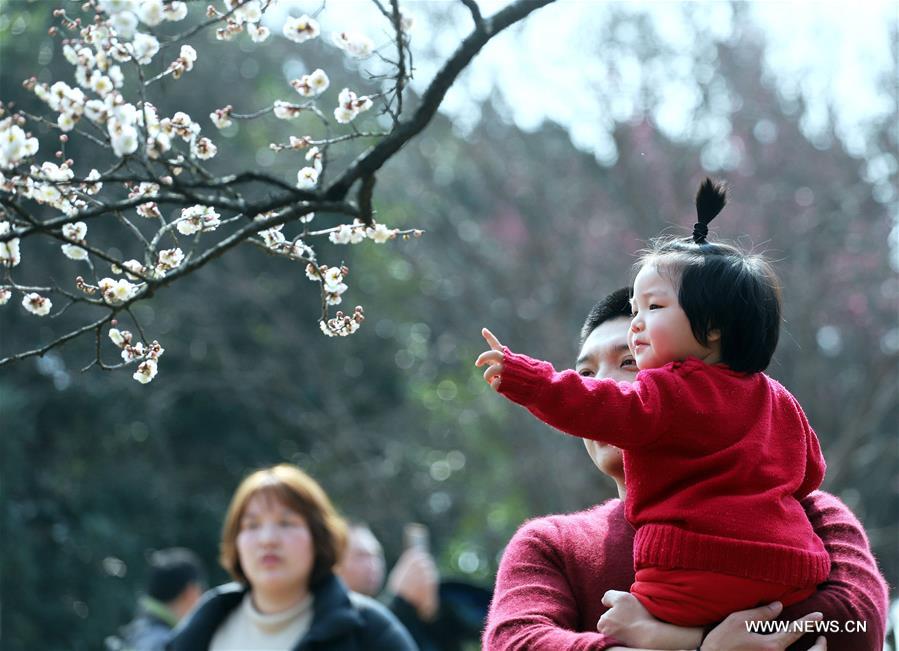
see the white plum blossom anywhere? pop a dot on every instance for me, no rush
(184, 62)
(113, 7)
(312, 84)
(181, 125)
(131, 352)
(95, 110)
(356, 45)
(65, 122)
(343, 116)
(315, 155)
(273, 237)
(197, 218)
(76, 231)
(300, 249)
(346, 234)
(350, 105)
(116, 75)
(248, 12)
(5, 295)
(380, 233)
(100, 83)
(37, 304)
(133, 266)
(73, 252)
(151, 12)
(120, 338)
(341, 235)
(117, 291)
(9, 250)
(146, 371)
(312, 272)
(149, 210)
(144, 189)
(258, 33)
(15, 144)
(286, 110)
(332, 277)
(144, 47)
(124, 138)
(204, 149)
(343, 325)
(95, 186)
(70, 54)
(169, 259)
(175, 11)
(301, 29)
(124, 23)
(307, 178)
(221, 118)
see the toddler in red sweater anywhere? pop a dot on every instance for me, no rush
(716, 454)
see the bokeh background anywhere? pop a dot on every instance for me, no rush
(568, 144)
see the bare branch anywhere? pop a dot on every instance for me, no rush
(475, 13)
(40, 352)
(372, 160)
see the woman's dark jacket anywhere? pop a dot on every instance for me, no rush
(341, 621)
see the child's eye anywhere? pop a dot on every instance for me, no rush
(628, 362)
(633, 313)
(586, 372)
(654, 306)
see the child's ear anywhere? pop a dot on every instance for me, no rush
(714, 335)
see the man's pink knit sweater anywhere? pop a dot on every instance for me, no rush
(556, 569)
(715, 462)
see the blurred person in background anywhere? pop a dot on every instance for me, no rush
(281, 540)
(563, 580)
(440, 615)
(176, 581)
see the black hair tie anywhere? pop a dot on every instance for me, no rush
(700, 231)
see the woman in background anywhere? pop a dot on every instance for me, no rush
(280, 542)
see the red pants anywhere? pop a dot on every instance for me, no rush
(698, 598)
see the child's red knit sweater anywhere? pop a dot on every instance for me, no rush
(715, 462)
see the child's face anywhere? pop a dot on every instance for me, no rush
(660, 330)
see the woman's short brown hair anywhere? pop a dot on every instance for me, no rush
(299, 492)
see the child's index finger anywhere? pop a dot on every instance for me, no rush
(491, 339)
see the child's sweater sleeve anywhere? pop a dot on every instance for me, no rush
(625, 415)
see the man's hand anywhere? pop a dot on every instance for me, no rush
(415, 579)
(627, 620)
(731, 634)
(493, 358)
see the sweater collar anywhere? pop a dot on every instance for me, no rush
(332, 614)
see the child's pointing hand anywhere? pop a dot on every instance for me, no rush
(492, 357)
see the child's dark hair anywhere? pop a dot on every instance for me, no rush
(614, 306)
(722, 288)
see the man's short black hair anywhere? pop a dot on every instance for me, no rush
(171, 571)
(614, 306)
(722, 288)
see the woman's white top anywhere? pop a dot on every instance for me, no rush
(247, 629)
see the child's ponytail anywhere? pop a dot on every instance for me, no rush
(710, 199)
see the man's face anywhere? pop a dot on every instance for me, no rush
(362, 568)
(605, 354)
